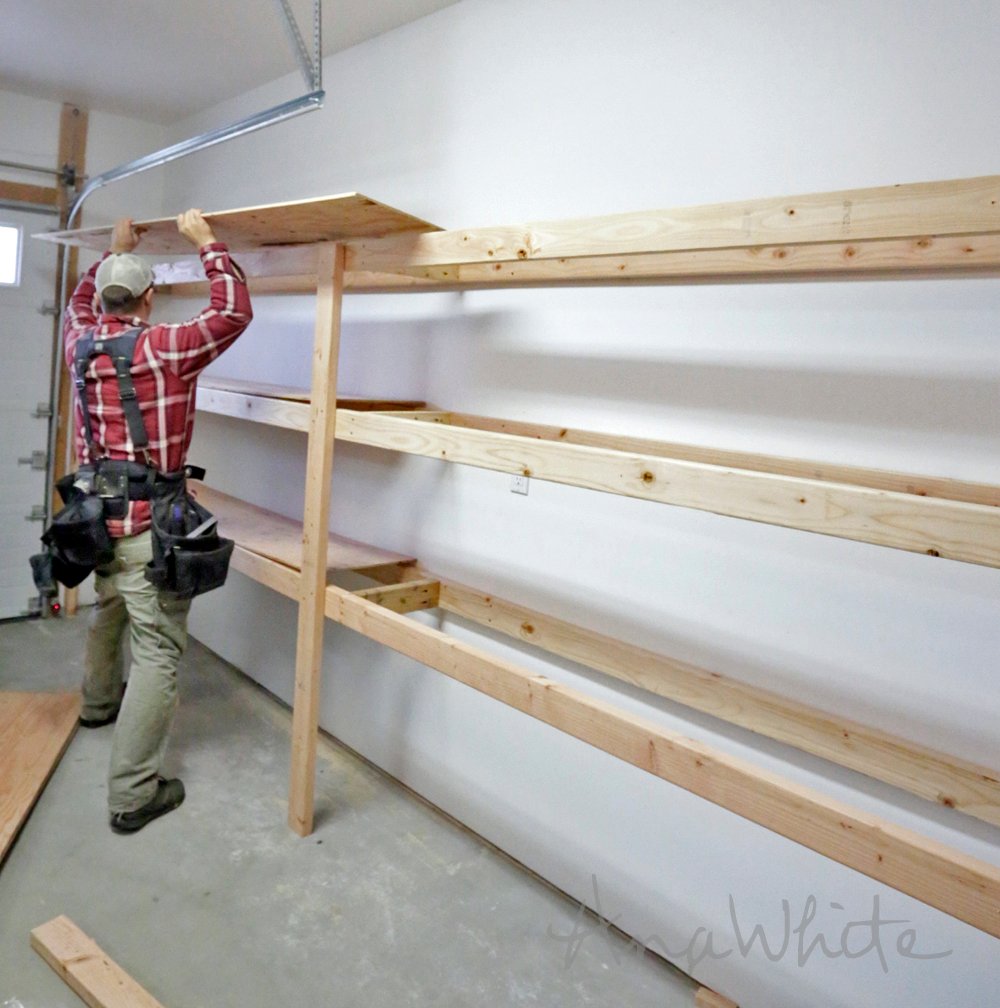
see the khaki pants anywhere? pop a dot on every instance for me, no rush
(157, 625)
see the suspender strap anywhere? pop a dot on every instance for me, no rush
(121, 350)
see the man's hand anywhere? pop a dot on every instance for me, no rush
(124, 238)
(195, 228)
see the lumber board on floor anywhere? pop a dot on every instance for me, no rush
(272, 535)
(35, 729)
(296, 222)
(91, 974)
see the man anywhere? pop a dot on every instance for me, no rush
(165, 365)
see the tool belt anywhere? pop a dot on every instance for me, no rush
(189, 556)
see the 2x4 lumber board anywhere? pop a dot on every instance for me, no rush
(319, 470)
(35, 729)
(406, 597)
(936, 777)
(267, 572)
(82, 964)
(877, 259)
(876, 479)
(706, 998)
(23, 192)
(272, 535)
(884, 259)
(952, 529)
(297, 222)
(966, 887)
(950, 880)
(271, 279)
(915, 211)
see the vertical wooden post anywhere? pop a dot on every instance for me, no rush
(72, 153)
(315, 532)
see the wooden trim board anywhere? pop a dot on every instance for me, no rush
(24, 192)
(955, 529)
(86, 969)
(945, 878)
(35, 729)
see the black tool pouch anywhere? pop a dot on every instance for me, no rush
(189, 556)
(77, 542)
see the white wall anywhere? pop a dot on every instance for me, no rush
(493, 113)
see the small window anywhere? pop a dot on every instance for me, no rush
(10, 254)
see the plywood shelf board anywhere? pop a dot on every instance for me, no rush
(345, 400)
(940, 527)
(298, 222)
(35, 729)
(278, 538)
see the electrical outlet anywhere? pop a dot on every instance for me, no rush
(519, 484)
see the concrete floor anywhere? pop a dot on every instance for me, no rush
(388, 903)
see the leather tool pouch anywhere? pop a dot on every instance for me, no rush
(189, 556)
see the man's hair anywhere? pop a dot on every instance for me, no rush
(120, 301)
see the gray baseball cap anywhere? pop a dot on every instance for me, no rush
(126, 272)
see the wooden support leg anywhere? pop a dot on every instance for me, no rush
(316, 524)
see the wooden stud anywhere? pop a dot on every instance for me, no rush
(72, 154)
(315, 531)
(950, 880)
(89, 972)
(953, 529)
(406, 597)
(23, 192)
(939, 778)
(35, 729)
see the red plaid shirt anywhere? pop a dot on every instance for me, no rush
(165, 369)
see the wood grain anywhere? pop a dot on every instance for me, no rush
(950, 880)
(272, 535)
(937, 777)
(35, 729)
(298, 222)
(88, 971)
(954, 529)
(915, 211)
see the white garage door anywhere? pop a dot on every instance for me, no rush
(26, 354)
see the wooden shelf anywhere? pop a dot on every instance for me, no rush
(278, 405)
(275, 537)
(342, 243)
(299, 222)
(940, 517)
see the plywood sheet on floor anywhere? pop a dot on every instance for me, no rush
(35, 729)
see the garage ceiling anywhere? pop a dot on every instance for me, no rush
(162, 60)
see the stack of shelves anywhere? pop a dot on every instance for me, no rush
(353, 243)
